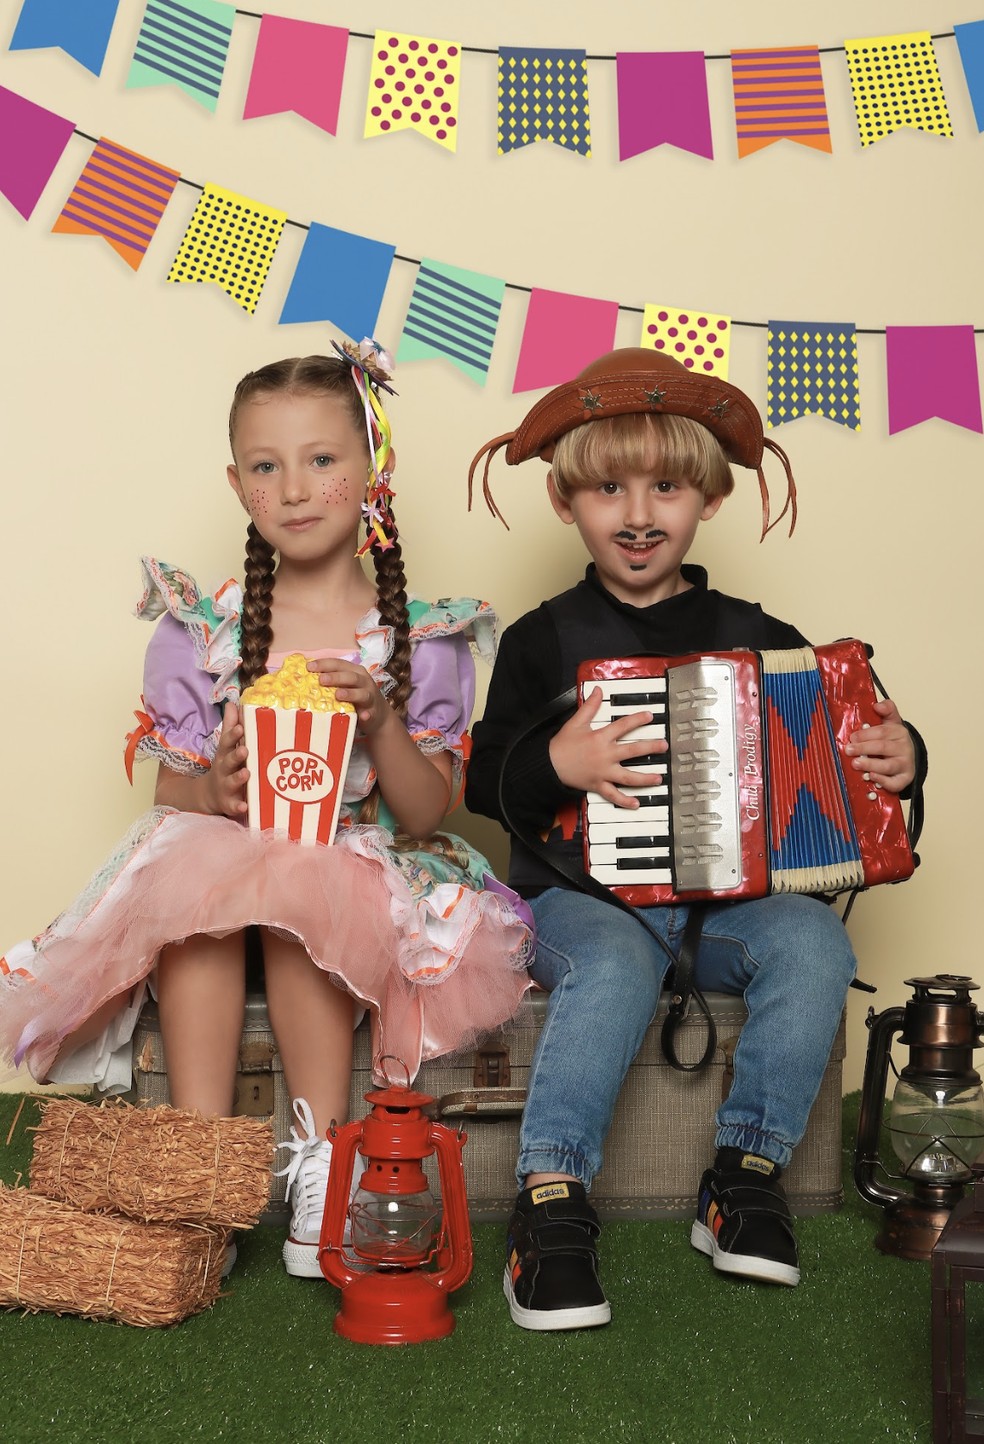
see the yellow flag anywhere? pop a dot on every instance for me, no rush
(699, 340)
(232, 241)
(414, 83)
(895, 81)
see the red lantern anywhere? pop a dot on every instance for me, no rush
(408, 1251)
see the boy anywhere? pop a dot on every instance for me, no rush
(639, 450)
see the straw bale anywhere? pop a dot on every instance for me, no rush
(158, 1165)
(56, 1259)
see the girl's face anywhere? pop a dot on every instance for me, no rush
(300, 472)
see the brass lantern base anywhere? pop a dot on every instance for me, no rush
(910, 1228)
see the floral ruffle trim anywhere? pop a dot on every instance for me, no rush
(211, 619)
(476, 621)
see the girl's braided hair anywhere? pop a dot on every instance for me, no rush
(328, 376)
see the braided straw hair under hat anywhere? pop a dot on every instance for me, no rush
(636, 380)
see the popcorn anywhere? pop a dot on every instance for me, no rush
(299, 737)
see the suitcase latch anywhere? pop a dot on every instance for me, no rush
(491, 1066)
(254, 1097)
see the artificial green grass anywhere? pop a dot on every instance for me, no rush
(689, 1358)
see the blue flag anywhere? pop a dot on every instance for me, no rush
(79, 27)
(970, 43)
(340, 278)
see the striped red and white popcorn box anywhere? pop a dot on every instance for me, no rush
(297, 763)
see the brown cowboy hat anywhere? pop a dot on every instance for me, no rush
(636, 379)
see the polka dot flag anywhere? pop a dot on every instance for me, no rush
(813, 370)
(414, 84)
(895, 81)
(231, 241)
(543, 95)
(697, 339)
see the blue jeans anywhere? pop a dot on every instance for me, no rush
(789, 957)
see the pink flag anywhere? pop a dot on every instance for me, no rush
(31, 142)
(562, 334)
(662, 100)
(297, 66)
(932, 371)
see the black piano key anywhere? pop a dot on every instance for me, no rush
(636, 842)
(636, 864)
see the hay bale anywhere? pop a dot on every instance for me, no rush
(56, 1259)
(158, 1165)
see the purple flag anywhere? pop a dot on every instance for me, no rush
(31, 142)
(932, 371)
(662, 99)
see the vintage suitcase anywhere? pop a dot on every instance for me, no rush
(662, 1135)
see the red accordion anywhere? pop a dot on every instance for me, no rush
(756, 798)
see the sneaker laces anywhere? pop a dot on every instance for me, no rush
(306, 1171)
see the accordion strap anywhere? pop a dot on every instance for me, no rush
(681, 980)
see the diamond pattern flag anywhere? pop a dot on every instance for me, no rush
(970, 44)
(454, 314)
(662, 100)
(298, 66)
(562, 334)
(340, 277)
(895, 81)
(79, 27)
(232, 241)
(32, 143)
(120, 196)
(779, 96)
(699, 340)
(813, 371)
(414, 84)
(185, 44)
(932, 371)
(543, 95)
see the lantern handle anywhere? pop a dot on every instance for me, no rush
(454, 1260)
(882, 1028)
(392, 1058)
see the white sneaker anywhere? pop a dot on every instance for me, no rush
(307, 1187)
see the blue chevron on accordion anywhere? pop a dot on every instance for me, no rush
(187, 44)
(454, 314)
(813, 839)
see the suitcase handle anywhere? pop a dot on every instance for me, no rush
(481, 1103)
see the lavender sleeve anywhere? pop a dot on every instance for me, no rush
(178, 697)
(442, 690)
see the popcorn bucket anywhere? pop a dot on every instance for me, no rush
(297, 763)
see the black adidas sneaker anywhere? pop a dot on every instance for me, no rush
(743, 1219)
(551, 1278)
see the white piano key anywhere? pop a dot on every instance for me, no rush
(630, 824)
(600, 811)
(604, 852)
(614, 687)
(623, 877)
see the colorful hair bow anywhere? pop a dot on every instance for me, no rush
(372, 367)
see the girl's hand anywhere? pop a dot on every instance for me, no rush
(885, 754)
(225, 781)
(594, 759)
(353, 684)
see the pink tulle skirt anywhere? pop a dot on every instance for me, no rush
(438, 960)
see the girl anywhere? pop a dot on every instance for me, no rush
(415, 931)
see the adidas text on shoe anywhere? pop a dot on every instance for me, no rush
(551, 1277)
(743, 1220)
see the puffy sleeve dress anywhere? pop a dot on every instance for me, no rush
(424, 936)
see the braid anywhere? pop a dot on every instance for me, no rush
(257, 632)
(391, 593)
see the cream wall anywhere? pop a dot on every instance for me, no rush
(115, 388)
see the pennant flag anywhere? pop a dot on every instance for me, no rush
(340, 277)
(813, 370)
(453, 313)
(298, 66)
(120, 196)
(932, 371)
(79, 27)
(543, 95)
(970, 44)
(186, 44)
(231, 241)
(895, 81)
(779, 96)
(413, 84)
(562, 334)
(33, 140)
(662, 100)
(698, 339)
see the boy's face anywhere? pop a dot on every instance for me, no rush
(638, 529)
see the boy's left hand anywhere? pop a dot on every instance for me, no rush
(353, 684)
(884, 753)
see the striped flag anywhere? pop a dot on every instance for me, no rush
(454, 314)
(120, 196)
(185, 44)
(231, 241)
(779, 96)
